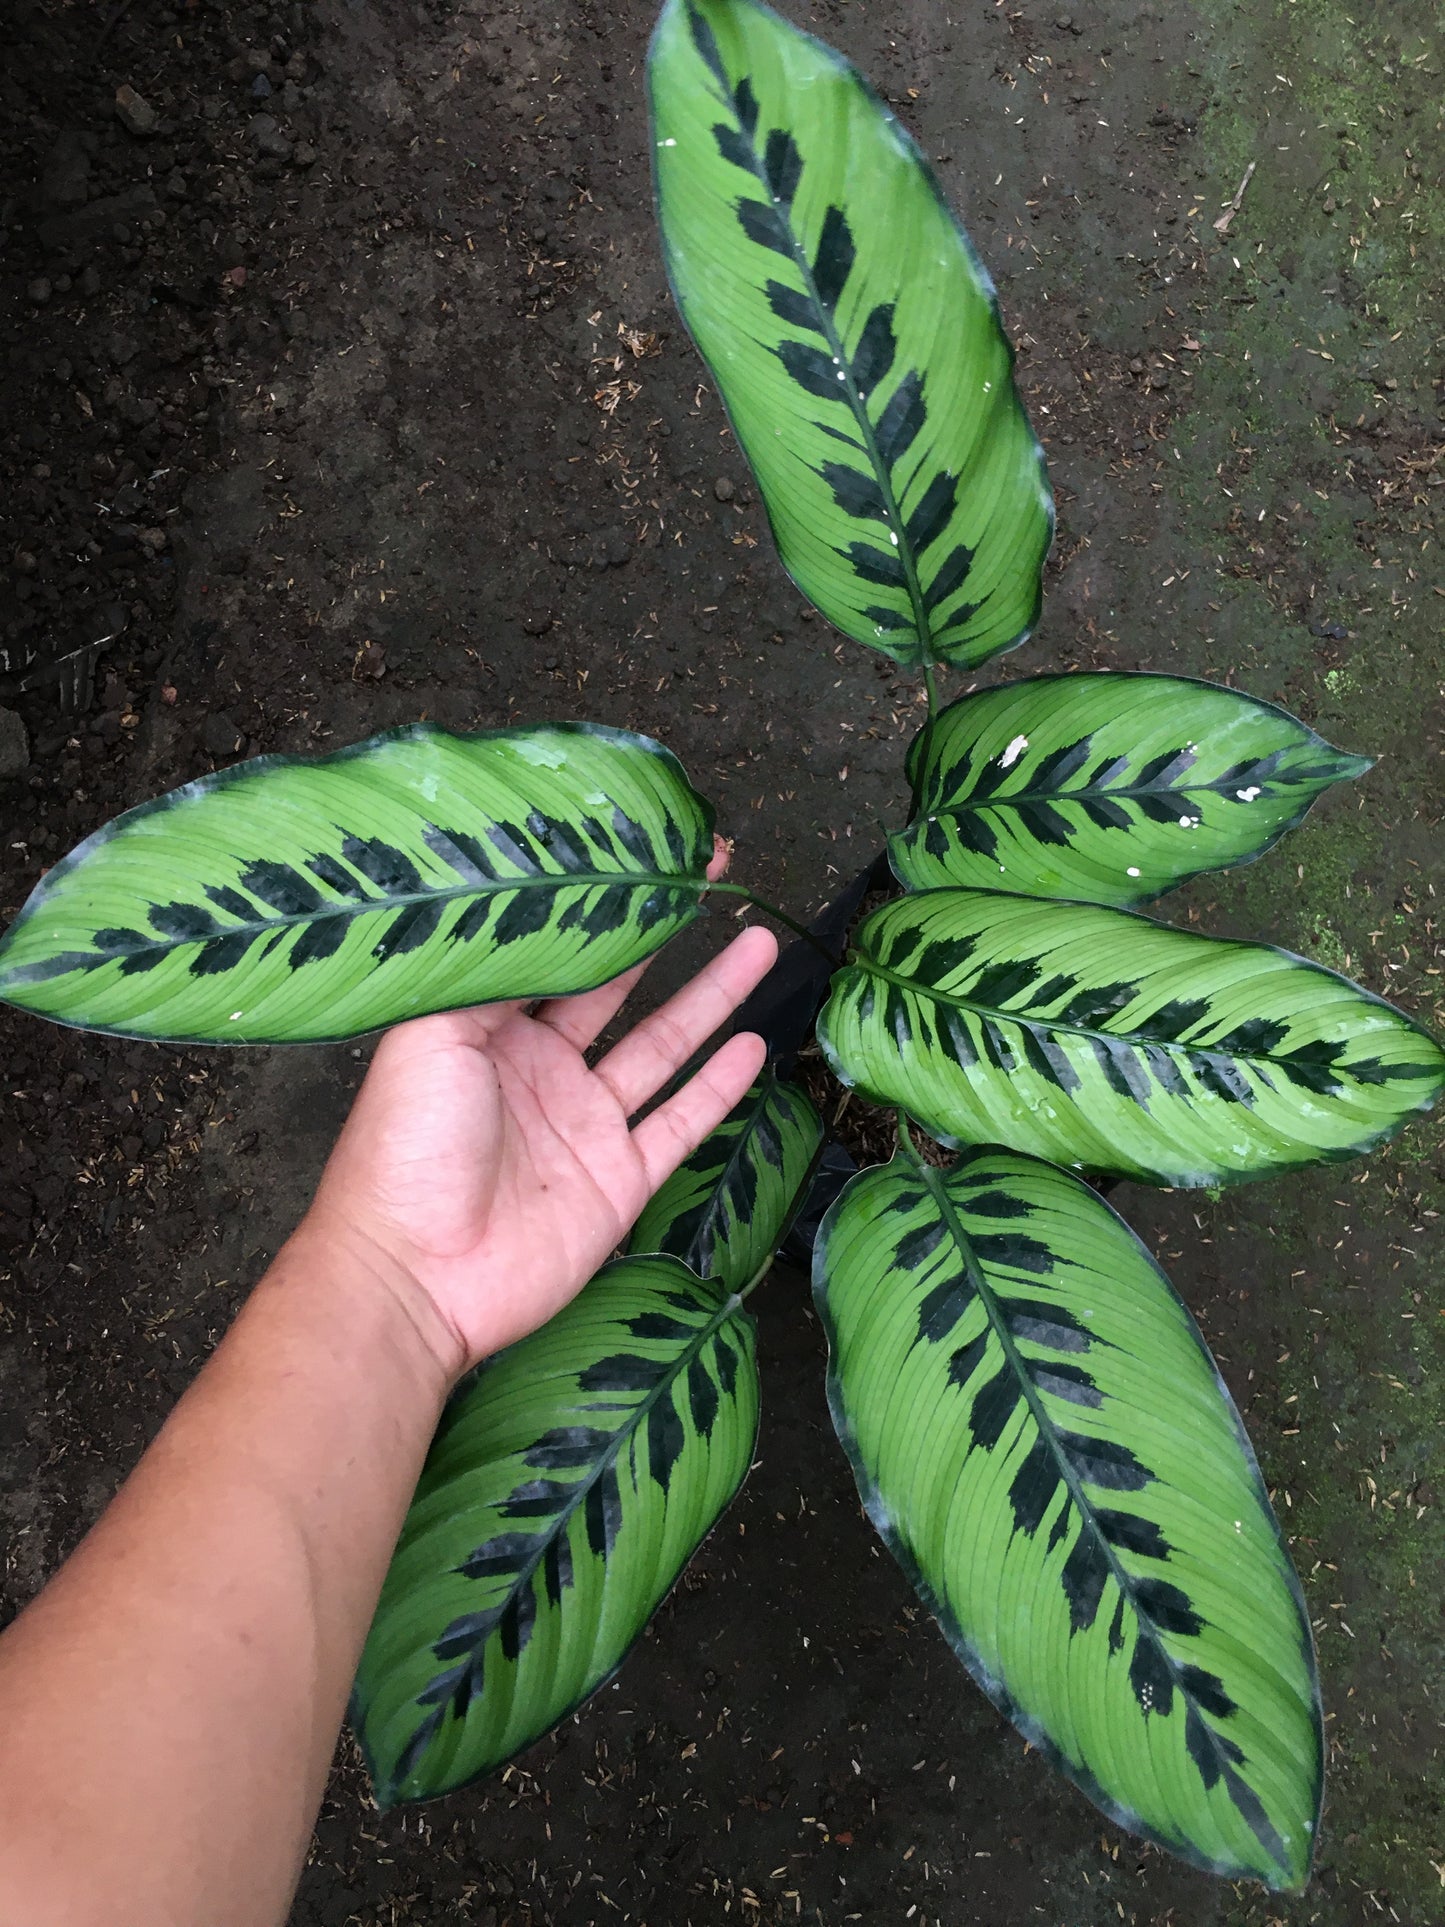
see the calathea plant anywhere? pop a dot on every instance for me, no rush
(1037, 1429)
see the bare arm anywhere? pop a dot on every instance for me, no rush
(169, 1704)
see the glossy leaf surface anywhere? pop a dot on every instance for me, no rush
(568, 1485)
(854, 336)
(1110, 788)
(286, 900)
(1044, 1443)
(725, 1209)
(1100, 1040)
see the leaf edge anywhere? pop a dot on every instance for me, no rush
(914, 755)
(1181, 1183)
(234, 773)
(911, 148)
(385, 1796)
(994, 1690)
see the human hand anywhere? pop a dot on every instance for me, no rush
(486, 1172)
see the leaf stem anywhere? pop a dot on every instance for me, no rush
(780, 916)
(757, 1278)
(930, 684)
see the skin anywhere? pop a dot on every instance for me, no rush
(170, 1703)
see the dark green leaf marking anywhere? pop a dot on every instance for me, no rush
(992, 1016)
(1043, 1441)
(1108, 788)
(853, 333)
(285, 899)
(726, 1209)
(571, 1479)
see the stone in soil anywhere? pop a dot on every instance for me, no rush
(220, 736)
(14, 745)
(135, 113)
(266, 136)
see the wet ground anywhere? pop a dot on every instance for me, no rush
(344, 377)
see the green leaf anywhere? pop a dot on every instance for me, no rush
(570, 1482)
(1045, 1445)
(286, 900)
(853, 333)
(1111, 788)
(1104, 1041)
(725, 1210)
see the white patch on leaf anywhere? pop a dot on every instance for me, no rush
(1015, 749)
(543, 755)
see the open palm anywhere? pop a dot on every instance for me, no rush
(486, 1161)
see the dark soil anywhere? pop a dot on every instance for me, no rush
(347, 392)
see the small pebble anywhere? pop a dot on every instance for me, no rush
(266, 135)
(369, 663)
(14, 745)
(723, 489)
(220, 736)
(135, 114)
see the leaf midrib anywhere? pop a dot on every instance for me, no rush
(923, 626)
(1009, 798)
(729, 1167)
(1057, 1024)
(373, 905)
(562, 1520)
(977, 1278)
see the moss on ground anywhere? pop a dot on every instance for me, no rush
(1304, 490)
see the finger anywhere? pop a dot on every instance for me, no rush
(675, 1129)
(662, 1043)
(581, 1020)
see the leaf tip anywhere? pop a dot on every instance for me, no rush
(1348, 766)
(1291, 1876)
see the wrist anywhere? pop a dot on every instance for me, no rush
(329, 1255)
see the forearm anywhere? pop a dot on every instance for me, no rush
(169, 1705)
